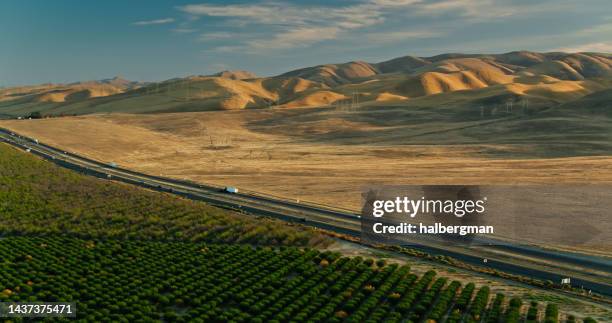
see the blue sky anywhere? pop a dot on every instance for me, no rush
(69, 40)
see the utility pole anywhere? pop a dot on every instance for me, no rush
(525, 105)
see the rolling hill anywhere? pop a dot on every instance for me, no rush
(543, 79)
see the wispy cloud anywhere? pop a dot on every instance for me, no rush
(215, 36)
(597, 47)
(605, 28)
(394, 3)
(153, 22)
(397, 36)
(258, 13)
(584, 39)
(298, 37)
(225, 49)
(479, 10)
(272, 25)
(294, 26)
(285, 14)
(184, 30)
(468, 8)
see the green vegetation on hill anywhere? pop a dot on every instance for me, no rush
(37, 197)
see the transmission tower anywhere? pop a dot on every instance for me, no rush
(354, 101)
(187, 90)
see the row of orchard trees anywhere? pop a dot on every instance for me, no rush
(185, 281)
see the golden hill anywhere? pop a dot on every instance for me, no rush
(336, 74)
(546, 78)
(61, 92)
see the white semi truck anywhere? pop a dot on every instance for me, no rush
(230, 189)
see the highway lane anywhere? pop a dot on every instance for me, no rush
(300, 208)
(212, 195)
(285, 210)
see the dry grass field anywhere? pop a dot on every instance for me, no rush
(301, 153)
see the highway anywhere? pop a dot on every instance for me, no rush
(320, 217)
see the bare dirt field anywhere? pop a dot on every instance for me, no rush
(301, 154)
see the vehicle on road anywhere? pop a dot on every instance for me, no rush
(230, 189)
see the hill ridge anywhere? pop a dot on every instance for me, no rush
(553, 77)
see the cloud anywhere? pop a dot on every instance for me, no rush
(184, 30)
(395, 3)
(474, 10)
(293, 38)
(585, 40)
(264, 14)
(298, 37)
(153, 22)
(288, 25)
(215, 36)
(273, 25)
(398, 36)
(226, 49)
(290, 15)
(467, 8)
(598, 47)
(605, 28)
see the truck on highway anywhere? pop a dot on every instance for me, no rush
(230, 189)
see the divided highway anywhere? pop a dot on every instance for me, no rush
(313, 215)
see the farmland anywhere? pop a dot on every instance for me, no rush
(126, 254)
(186, 281)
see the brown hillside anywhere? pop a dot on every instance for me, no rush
(554, 77)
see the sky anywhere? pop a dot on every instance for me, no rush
(147, 40)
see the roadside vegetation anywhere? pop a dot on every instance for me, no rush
(37, 197)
